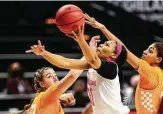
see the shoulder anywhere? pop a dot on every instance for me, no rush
(40, 94)
(107, 69)
(107, 65)
(38, 97)
(145, 66)
(143, 61)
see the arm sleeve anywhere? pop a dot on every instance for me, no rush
(148, 75)
(107, 69)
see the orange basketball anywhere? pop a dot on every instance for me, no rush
(69, 18)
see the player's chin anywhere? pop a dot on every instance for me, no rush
(146, 59)
(143, 57)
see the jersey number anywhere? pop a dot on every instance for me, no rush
(91, 96)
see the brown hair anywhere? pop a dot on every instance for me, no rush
(38, 76)
(159, 47)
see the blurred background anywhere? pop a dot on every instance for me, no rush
(22, 23)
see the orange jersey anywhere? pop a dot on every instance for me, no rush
(46, 103)
(149, 89)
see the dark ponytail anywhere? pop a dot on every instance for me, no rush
(120, 61)
(121, 79)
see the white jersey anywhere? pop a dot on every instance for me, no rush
(104, 94)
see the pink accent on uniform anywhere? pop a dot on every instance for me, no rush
(118, 49)
(118, 52)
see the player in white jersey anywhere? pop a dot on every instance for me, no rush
(102, 64)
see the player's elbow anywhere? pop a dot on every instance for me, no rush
(93, 61)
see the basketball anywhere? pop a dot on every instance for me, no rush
(69, 18)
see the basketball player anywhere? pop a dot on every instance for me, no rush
(50, 92)
(150, 87)
(102, 64)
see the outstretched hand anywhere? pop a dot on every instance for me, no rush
(91, 21)
(37, 49)
(93, 42)
(77, 35)
(67, 99)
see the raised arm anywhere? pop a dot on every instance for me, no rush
(88, 52)
(131, 58)
(55, 91)
(57, 60)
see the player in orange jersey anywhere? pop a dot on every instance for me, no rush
(50, 91)
(149, 90)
